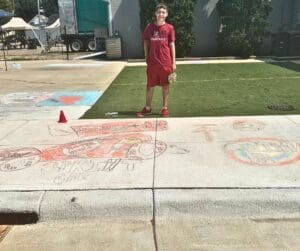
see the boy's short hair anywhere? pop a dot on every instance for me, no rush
(161, 6)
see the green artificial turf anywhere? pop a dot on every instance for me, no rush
(207, 90)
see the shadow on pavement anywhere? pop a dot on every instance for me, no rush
(21, 218)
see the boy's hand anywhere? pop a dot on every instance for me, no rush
(174, 67)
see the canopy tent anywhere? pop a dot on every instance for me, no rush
(53, 32)
(55, 25)
(4, 14)
(39, 20)
(17, 23)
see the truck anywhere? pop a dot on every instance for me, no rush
(84, 24)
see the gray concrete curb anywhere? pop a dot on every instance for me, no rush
(138, 204)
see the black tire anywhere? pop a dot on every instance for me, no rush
(91, 45)
(76, 45)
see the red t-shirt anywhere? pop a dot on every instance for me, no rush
(160, 38)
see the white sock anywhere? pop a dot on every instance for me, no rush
(148, 108)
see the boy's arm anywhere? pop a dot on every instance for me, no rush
(146, 48)
(173, 54)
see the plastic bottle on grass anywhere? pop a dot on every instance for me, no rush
(111, 114)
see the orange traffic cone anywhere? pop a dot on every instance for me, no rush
(62, 117)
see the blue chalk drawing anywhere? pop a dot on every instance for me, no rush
(72, 98)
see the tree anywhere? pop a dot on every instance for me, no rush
(26, 9)
(244, 26)
(181, 16)
(6, 5)
(29, 8)
(50, 7)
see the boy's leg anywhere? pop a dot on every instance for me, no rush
(147, 109)
(165, 93)
(149, 96)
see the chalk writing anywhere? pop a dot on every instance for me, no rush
(15, 159)
(81, 170)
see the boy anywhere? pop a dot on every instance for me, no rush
(159, 47)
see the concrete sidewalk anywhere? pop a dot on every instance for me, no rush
(197, 165)
(176, 234)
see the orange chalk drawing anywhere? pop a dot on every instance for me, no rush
(69, 100)
(120, 127)
(208, 130)
(119, 140)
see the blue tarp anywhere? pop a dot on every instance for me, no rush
(4, 13)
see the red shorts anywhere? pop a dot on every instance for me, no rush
(158, 75)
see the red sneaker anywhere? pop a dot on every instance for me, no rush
(143, 112)
(164, 112)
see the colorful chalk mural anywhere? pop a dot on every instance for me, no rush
(263, 151)
(71, 98)
(114, 141)
(41, 99)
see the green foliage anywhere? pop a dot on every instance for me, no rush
(244, 26)
(6, 5)
(50, 6)
(181, 16)
(26, 9)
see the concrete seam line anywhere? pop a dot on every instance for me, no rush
(11, 132)
(28, 82)
(150, 188)
(153, 193)
(40, 203)
(287, 117)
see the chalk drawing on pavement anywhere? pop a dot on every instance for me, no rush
(24, 98)
(72, 98)
(60, 130)
(248, 125)
(101, 148)
(119, 140)
(208, 131)
(174, 149)
(120, 127)
(263, 151)
(15, 159)
(82, 170)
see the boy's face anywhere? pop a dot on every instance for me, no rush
(161, 15)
